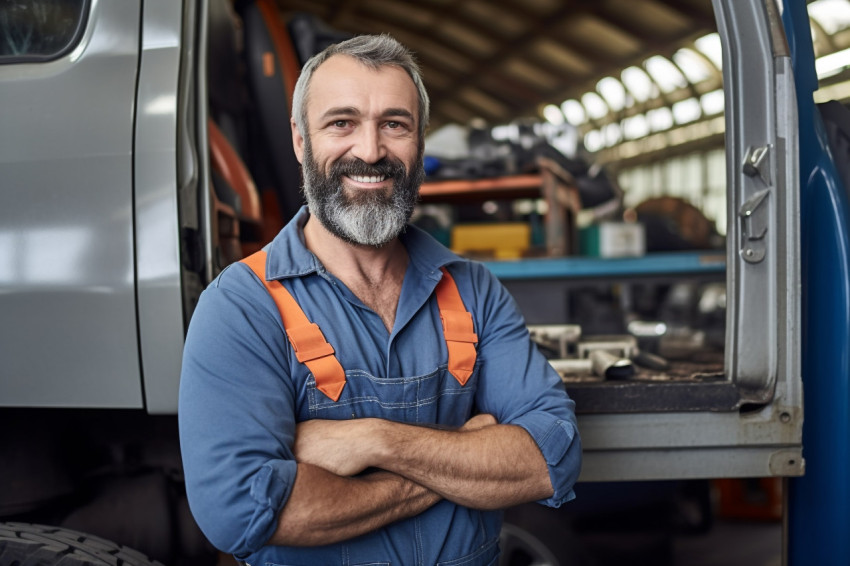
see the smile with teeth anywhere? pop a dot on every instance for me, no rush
(367, 179)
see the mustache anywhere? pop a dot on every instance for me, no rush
(387, 167)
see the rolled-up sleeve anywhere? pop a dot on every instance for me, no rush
(236, 414)
(560, 445)
(518, 385)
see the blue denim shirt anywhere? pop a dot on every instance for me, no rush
(242, 392)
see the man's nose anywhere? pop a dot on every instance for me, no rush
(369, 145)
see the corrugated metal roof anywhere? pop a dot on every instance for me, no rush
(503, 60)
(500, 60)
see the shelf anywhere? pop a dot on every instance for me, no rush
(470, 190)
(673, 263)
(562, 200)
(716, 394)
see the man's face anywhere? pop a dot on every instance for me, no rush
(362, 157)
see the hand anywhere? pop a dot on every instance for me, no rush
(345, 447)
(340, 447)
(479, 421)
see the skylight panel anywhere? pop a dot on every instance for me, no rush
(594, 105)
(660, 119)
(665, 74)
(613, 92)
(686, 111)
(709, 45)
(613, 134)
(594, 140)
(639, 84)
(832, 15)
(574, 112)
(553, 114)
(635, 127)
(833, 63)
(692, 65)
(712, 102)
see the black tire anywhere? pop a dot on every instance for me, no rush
(520, 547)
(25, 544)
(534, 535)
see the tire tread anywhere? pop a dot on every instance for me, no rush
(27, 544)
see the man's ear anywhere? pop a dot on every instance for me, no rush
(297, 141)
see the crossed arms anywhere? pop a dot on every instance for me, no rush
(482, 465)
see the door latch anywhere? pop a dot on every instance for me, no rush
(757, 162)
(754, 215)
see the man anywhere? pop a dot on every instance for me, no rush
(438, 410)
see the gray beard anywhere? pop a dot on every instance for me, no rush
(369, 218)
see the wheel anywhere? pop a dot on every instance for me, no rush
(534, 535)
(24, 544)
(521, 548)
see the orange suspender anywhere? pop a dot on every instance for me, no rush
(457, 328)
(306, 338)
(313, 350)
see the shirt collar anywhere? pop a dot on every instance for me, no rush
(288, 255)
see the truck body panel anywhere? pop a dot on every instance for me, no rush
(68, 298)
(818, 504)
(156, 216)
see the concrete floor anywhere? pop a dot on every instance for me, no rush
(727, 543)
(694, 523)
(731, 543)
(650, 533)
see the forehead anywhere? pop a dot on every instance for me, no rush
(344, 82)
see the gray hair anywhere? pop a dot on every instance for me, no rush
(374, 51)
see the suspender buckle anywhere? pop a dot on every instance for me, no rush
(457, 326)
(308, 342)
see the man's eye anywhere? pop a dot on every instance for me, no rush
(340, 123)
(393, 125)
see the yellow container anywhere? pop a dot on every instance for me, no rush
(503, 240)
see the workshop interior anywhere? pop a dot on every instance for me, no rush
(582, 151)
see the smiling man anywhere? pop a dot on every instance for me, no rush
(355, 393)
(364, 183)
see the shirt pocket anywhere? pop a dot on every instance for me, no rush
(432, 398)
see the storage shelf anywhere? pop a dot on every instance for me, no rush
(672, 263)
(470, 190)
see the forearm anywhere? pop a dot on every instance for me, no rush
(325, 508)
(488, 468)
